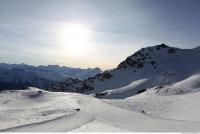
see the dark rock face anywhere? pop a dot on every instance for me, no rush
(140, 65)
(72, 85)
(100, 95)
(103, 76)
(141, 91)
(144, 57)
(137, 60)
(172, 50)
(158, 47)
(77, 109)
(80, 86)
(153, 62)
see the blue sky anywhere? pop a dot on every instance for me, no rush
(29, 29)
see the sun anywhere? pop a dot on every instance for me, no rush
(75, 38)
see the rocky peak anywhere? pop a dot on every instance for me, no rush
(144, 56)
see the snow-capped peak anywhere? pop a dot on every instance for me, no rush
(147, 56)
(155, 66)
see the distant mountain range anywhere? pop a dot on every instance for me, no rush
(162, 68)
(17, 76)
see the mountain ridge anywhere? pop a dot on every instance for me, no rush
(16, 76)
(160, 65)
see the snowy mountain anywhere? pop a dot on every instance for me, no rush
(159, 67)
(157, 89)
(17, 76)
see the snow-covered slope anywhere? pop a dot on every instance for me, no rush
(181, 107)
(149, 67)
(36, 110)
(188, 85)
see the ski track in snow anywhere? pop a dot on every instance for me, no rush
(183, 108)
(31, 124)
(94, 115)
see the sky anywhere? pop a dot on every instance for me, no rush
(31, 30)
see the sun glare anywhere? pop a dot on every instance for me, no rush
(75, 38)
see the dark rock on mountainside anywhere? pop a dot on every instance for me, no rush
(172, 50)
(103, 76)
(143, 57)
(152, 66)
(72, 85)
(141, 91)
(80, 86)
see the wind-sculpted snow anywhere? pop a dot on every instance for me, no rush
(23, 107)
(191, 84)
(180, 107)
(64, 112)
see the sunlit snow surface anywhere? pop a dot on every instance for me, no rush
(36, 110)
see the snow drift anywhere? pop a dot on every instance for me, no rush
(36, 110)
